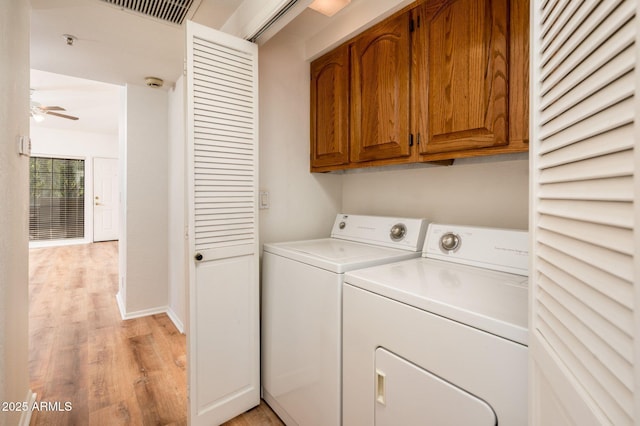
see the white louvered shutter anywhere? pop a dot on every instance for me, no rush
(225, 151)
(584, 168)
(222, 135)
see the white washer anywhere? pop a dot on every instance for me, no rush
(302, 315)
(440, 340)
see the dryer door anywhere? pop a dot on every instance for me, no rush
(409, 395)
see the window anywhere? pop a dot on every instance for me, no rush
(56, 202)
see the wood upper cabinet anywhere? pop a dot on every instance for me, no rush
(330, 109)
(380, 91)
(439, 80)
(466, 82)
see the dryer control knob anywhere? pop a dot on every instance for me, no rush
(449, 242)
(341, 225)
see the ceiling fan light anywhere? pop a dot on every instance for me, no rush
(39, 118)
(328, 7)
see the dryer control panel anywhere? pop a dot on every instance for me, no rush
(505, 250)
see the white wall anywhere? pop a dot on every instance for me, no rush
(74, 144)
(144, 203)
(491, 191)
(178, 253)
(14, 205)
(303, 205)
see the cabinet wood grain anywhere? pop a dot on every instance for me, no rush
(330, 109)
(380, 91)
(467, 66)
(519, 74)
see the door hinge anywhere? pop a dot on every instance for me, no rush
(410, 139)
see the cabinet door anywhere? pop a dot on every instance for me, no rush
(467, 93)
(330, 109)
(380, 66)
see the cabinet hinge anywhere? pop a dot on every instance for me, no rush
(411, 26)
(418, 139)
(410, 139)
(418, 21)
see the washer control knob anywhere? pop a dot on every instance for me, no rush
(342, 225)
(398, 231)
(449, 241)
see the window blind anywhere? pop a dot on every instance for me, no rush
(56, 201)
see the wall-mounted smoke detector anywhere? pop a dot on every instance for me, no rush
(154, 82)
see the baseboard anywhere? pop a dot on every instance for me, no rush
(25, 418)
(120, 303)
(152, 311)
(145, 313)
(175, 319)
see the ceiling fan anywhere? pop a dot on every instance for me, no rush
(38, 111)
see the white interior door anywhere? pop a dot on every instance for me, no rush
(106, 199)
(223, 327)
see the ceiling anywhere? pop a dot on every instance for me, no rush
(113, 46)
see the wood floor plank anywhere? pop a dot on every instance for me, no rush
(260, 415)
(122, 413)
(108, 370)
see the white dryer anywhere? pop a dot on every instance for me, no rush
(442, 339)
(302, 315)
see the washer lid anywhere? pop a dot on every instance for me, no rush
(493, 301)
(337, 255)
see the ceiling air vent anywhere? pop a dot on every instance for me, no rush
(173, 11)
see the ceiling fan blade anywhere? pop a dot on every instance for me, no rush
(57, 114)
(51, 108)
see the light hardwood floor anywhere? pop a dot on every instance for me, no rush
(112, 372)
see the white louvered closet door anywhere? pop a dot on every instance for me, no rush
(584, 221)
(222, 132)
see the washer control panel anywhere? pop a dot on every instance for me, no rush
(402, 233)
(398, 231)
